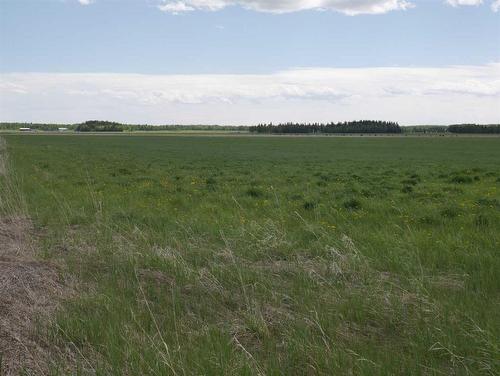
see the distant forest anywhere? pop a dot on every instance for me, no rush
(357, 127)
(363, 126)
(108, 126)
(474, 128)
(99, 126)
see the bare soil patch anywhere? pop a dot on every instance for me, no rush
(29, 292)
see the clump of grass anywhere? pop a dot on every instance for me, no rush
(428, 220)
(211, 183)
(352, 204)
(368, 193)
(310, 205)
(415, 176)
(407, 189)
(254, 192)
(124, 171)
(450, 212)
(461, 179)
(410, 181)
(322, 176)
(482, 220)
(356, 177)
(488, 202)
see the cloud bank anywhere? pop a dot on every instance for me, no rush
(410, 95)
(456, 3)
(350, 7)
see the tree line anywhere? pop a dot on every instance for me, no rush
(6, 126)
(475, 128)
(106, 126)
(362, 126)
(99, 126)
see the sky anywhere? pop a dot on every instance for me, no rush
(250, 61)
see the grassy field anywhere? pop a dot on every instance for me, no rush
(268, 255)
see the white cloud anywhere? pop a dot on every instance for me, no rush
(350, 7)
(456, 3)
(410, 95)
(176, 7)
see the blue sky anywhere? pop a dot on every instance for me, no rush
(245, 61)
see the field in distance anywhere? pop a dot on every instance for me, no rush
(267, 255)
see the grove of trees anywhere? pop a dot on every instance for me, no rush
(362, 126)
(99, 126)
(474, 128)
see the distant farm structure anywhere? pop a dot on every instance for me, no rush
(23, 129)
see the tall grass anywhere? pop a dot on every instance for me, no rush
(12, 202)
(264, 256)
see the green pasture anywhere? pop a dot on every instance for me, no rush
(269, 255)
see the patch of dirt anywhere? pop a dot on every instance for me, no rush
(29, 292)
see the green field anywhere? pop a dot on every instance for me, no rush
(267, 255)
